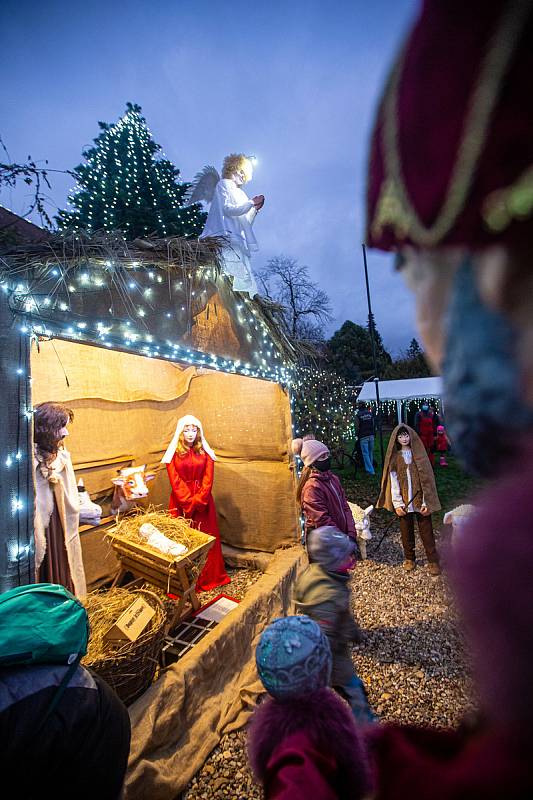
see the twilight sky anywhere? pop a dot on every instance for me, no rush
(294, 82)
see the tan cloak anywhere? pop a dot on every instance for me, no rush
(421, 461)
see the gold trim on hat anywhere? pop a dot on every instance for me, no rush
(394, 208)
(513, 202)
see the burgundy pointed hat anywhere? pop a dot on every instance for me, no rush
(451, 157)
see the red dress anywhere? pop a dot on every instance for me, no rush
(191, 479)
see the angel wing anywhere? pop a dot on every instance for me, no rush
(203, 185)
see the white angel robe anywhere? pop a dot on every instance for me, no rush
(231, 215)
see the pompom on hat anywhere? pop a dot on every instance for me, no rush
(309, 450)
(457, 99)
(293, 658)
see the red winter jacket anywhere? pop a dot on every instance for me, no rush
(308, 749)
(324, 503)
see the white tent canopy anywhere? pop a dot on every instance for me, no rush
(402, 390)
(406, 389)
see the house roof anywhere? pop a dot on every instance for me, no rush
(406, 389)
(21, 229)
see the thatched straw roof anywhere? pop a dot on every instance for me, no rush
(112, 247)
(171, 289)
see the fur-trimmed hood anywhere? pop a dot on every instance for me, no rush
(329, 723)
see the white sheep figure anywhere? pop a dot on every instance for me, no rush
(90, 513)
(361, 518)
(457, 518)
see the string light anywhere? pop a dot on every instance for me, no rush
(57, 303)
(15, 461)
(120, 335)
(408, 407)
(127, 183)
(323, 404)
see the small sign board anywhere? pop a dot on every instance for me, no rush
(190, 632)
(131, 622)
(217, 609)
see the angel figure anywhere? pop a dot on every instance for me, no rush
(231, 216)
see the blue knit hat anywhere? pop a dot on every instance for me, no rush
(293, 658)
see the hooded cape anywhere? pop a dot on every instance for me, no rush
(188, 419)
(425, 472)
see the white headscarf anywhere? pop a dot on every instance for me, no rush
(188, 419)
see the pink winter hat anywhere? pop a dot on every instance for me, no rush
(309, 450)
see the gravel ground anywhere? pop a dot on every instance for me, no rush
(241, 580)
(411, 659)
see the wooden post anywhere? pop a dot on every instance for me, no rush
(16, 475)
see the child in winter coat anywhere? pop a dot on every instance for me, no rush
(303, 741)
(442, 444)
(322, 592)
(320, 493)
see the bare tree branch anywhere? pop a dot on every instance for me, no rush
(32, 175)
(307, 308)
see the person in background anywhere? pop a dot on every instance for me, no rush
(366, 428)
(322, 592)
(463, 234)
(442, 444)
(426, 426)
(320, 494)
(303, 743)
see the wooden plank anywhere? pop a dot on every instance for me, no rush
(168, 584)
(174, 576)
(123, 544)
(167, 569)
(16, 483)
(103, 525)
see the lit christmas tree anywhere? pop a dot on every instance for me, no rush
(324, 405)
(126, 185)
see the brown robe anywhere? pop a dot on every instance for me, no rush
(56, 494)
(425, 478)
(54, 567)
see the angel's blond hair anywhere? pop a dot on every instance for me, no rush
(237, 162)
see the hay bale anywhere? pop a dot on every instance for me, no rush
(128, 667)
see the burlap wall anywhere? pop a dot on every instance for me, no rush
(126, 408)
(210, 692)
